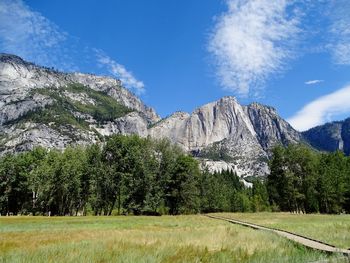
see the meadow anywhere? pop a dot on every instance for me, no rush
(194, 238)
(331, 229)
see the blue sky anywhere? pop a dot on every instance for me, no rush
(178, 55)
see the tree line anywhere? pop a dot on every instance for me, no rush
(126, 175)
(307, 181)
(141, 176)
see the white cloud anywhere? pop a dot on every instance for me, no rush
(253, 40)
(313, 82)
(120, 72)
(30, 35)
(322, 110)
(339, 45)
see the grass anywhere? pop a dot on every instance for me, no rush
(332, 229)
(143, 239)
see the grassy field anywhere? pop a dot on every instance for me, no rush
(332, 229)
(148, 239)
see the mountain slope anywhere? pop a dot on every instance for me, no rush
(40, 106)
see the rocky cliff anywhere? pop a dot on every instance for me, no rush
(224, 130)
(330, 136)
(40, 106)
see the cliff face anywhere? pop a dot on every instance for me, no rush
(40, 106)
(270, 127)
(226, 130)
(330, 137)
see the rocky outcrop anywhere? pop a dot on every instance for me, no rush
(25, 137)
(132, 123)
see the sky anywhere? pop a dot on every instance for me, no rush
(293, 55)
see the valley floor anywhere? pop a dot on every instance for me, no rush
(331, 229)
(166, 239)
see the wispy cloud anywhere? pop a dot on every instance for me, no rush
(119, 71)
(255, 39)
(322, 109)
(339, 45)
(252, 41)
(313, 82)
(29, 34)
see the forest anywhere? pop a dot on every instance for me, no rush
(307, 181)
(141, 176)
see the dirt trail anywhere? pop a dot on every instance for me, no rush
(311, 243)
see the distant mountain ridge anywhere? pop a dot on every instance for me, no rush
(330, 136)
(41, 106)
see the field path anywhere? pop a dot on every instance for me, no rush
(308, 242)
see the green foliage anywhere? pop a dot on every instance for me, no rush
(333, 182)
(13, 184)
(182, 188)
(302, 180)
(105, 108)
(216, 152)
(128, 173)
(133, 175)
(56, 115)
(260, 196)
(223, 192)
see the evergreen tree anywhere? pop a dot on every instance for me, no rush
(182, 189)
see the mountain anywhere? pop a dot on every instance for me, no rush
(228, 134)
(330, 136)
(41, 106)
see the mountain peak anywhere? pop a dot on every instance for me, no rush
(257, 105)
(228, 98)
(223, 101)
(10, 58)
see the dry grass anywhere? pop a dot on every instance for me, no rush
(332, 229)
(142, 239)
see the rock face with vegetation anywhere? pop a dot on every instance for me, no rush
(43, 107)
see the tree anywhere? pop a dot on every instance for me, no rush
(215, 194)
(292, 181)
(333, 171)
(260, 197)
(14, 190)
(182, 189)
